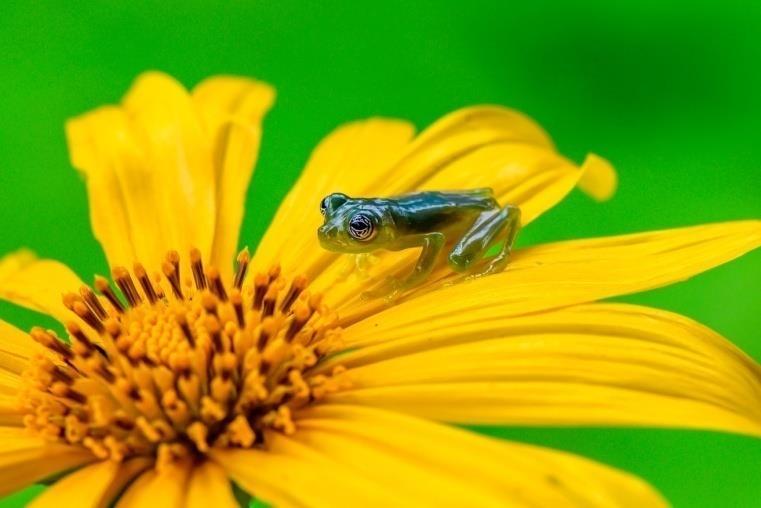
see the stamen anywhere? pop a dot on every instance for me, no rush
(172, 274)
(211, 411)
(261, 282)
(209, 303)
(127, 287)
(61, 376)
(97, 365)
(241, 432)
(268, 305)
(175, 408)
(92, 301)
(240, 273)
(267, 330)
(301, 315)
(68, 300)
(215, 284)
(87, 315)
(64, 390)
(196, 266)
(198, 433)
(102, 285)
(183, 322)
(297, 286)
(97, 448)
(48, 339)
(157, 286)
(145, 282)
(173, 257)
(82, 344)
(212, 325)
(237, 300)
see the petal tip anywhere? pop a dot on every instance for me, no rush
(16, 260)
(599, 179)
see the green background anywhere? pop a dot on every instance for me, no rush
(668, 92)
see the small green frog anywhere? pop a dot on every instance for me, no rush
(468, 222)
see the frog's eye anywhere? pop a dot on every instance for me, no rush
(361, 227)
(324, 205)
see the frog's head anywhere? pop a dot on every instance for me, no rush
(354, 225)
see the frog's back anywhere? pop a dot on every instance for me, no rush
(476, 199)
(428, 210)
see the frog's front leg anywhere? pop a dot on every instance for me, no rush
(499, 227)
(431, 245)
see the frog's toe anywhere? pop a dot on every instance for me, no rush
(460, 262)
(496, 266)
(488, 267)
(389, 289)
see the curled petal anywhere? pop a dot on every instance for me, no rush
(482, 146)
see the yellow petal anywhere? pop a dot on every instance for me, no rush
(119, 183)
(15, 439)
(529, 176)
(10, 384)
(209, 486)
(37, 284)
(482, 146)
(10, 414)
(486, 123)
(165, 488)
(598, 364)
(289, 473)
(93, 486)
(564, 273)
(159, 168)
(339, 449)
(177, 199)
(457, 135)
(232, 110)
(16, 348)
(415, 484)
(349, 160)
(25, 460)
(599, 179)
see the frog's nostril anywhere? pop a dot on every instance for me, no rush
(326, 231)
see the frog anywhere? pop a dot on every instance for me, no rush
(467, 223)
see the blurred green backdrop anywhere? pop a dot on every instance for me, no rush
(668, 91)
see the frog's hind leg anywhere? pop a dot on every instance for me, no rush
(498, 228)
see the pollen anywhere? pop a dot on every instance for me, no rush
(173, 364)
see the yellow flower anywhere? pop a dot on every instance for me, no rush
(304, 394)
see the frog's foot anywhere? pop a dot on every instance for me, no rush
(489, 266)
(363, 263)
(390, 290)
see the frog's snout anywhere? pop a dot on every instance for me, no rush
(327, 235)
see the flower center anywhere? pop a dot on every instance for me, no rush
(172, 373)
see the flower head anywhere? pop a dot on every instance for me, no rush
(187, 370)
(170, 378)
